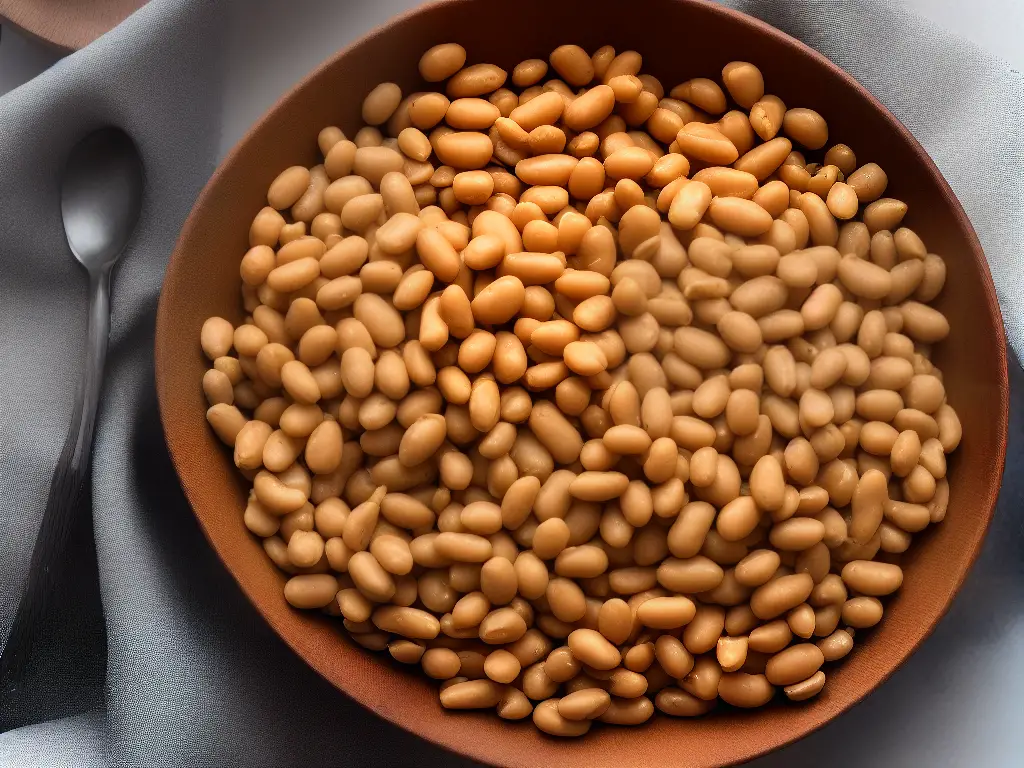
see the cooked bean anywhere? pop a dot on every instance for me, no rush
(502, 626)
(837, 645)
(441, 62)
(310, 590)
(796, 663)
(806, 689)
(780, 595)
(764, 159)
(548, 719)
(868, 501)
(689, 205)
(872, 578)
(666, 612)
(591, 648)
(862, 612)
(585, 704)
(742, 217)
(744, 690)
(472, 694)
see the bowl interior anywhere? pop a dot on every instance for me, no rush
(678, 39)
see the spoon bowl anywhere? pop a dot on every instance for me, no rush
(101, 196)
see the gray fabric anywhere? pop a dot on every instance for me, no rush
(154, 656)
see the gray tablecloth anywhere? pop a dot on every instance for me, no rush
(154, 657)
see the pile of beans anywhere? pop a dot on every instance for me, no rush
(588, 399)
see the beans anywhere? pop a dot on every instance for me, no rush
(598, 486)
(759, 296)
(441, 62)
(744, 690)
(586, 704)
(216, 337)
(872, 578)
(705, 142)
(314, 590)
(381, 103)
(842, 201)
(757, 567)
(629, 163)
(277, 497)
(472, 694)
(592, 649)
(742, 217)
(764, 159)
(766, 116)
(767, 483)
(547, 718)
(922, 323)
(807, 688)
(797, 534)
(408, 622)
(869, 182)
(796, 663)
(868, 501)
(454, 394)
(821, 224)
(862, 612)
(744, 82)
(666, 612)
(806, 127)
(288, 187)
(836, 646)
(464, 150)
(499, 301)
(590, 109)
(780, 595)
(628, 711)
(502, 626)
(476, 80)
(689, 205)
(695, 574)
(679, 703)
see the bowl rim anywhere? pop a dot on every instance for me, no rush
(164, 328)
(65, 32)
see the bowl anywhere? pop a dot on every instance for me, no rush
(67, 25)
(202, 280)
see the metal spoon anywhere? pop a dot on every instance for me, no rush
(101, 196)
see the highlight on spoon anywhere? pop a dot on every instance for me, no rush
(101, 195)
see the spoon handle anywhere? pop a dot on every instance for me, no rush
(66, 493)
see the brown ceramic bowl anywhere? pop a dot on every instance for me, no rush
(202, 280)
(67, 24)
